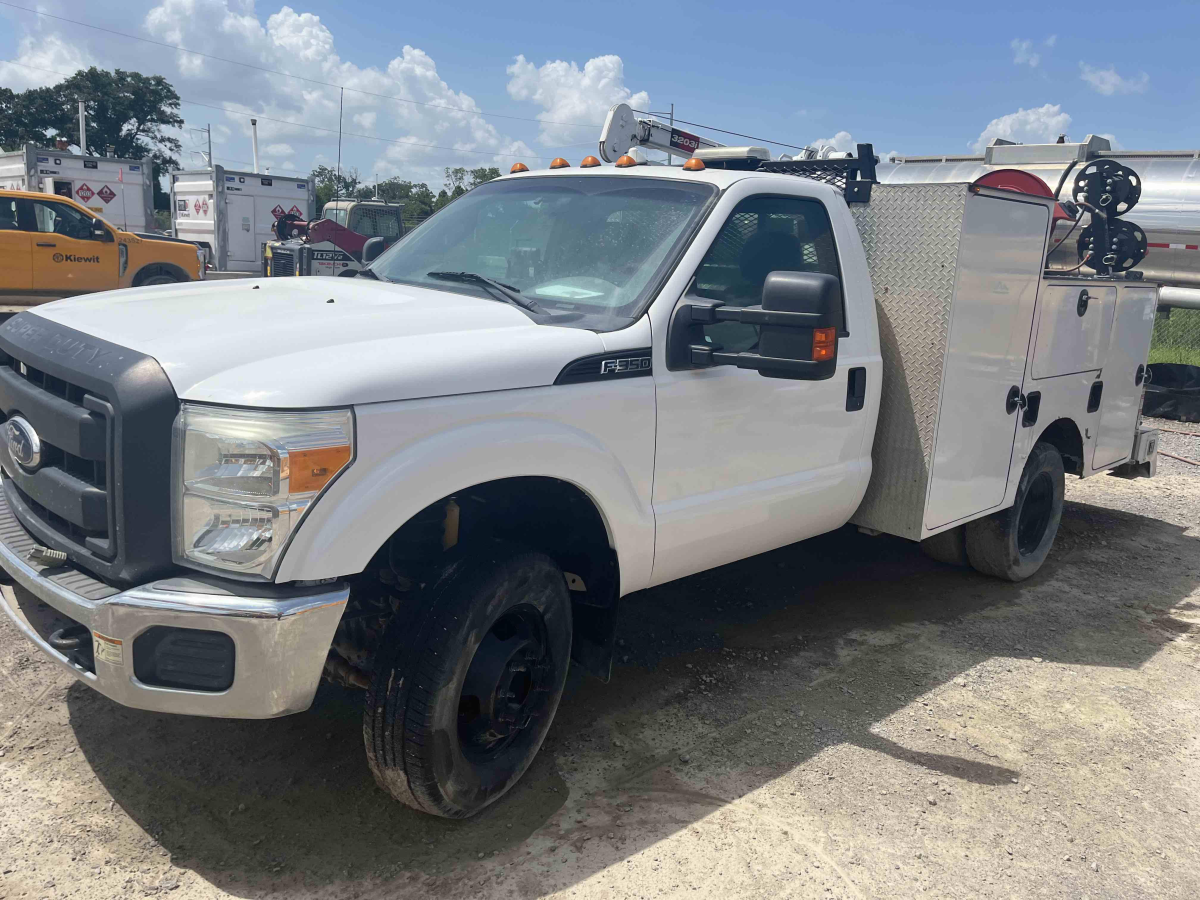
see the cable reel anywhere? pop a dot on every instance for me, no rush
(1126, 246)
(1108, 186)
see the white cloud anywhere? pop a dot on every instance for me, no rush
(1112, 140)
(1028, 53)
(1108, 82)
(300, 42)
(1041, 124)
(840, 141)
(569, 94)
(1023, 53)
(42, 56)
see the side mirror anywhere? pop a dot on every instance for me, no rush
(373, 249)
(99, 232)
(799, 320)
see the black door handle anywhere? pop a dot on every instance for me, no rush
(1081, 306)
(1014, 401)
(45, 244)
(856, 389)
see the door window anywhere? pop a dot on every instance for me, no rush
(8, 214)
(58, 218)
(763, 235)
(377, 222)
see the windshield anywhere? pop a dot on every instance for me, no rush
(593, 245)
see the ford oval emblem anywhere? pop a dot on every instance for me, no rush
(23, 442)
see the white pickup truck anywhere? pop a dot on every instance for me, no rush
(436, 481)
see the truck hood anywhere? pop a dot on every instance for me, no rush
(306, 342)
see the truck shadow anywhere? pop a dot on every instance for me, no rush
(814, 631)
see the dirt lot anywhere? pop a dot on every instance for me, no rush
(840, 718)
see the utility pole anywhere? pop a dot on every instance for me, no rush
(670, 158)
(254, 141)
(209, 130)
(337, 188)
(83, 127)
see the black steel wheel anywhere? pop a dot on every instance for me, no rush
(1013, 543)
(468, 680)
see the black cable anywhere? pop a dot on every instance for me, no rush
(1074, 225)
(748, 137)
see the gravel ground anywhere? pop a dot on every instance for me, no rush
(839, 718)
(1178, 439)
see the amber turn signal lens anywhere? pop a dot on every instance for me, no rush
(626, 161)
(311, 470)
(518, 167)
(559, 163)
(589, 162)
(824, 344)
(694, 165)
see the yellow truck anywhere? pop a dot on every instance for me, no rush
(51, 247)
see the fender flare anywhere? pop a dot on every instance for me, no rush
(377, 494)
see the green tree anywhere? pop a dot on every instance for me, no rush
(330, 184)
(127, 111)
(460, 180)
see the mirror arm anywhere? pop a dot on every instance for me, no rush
(703, 357)
(709, 314)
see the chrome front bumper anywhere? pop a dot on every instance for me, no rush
(281, 636)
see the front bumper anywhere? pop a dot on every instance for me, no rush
(281, 636)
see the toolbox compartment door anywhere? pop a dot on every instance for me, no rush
(999, 268)
(1127, 353)
(1074, 326)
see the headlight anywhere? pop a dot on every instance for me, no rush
(243, 479)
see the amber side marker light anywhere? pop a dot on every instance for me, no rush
(518, 167)
(589, 162)
(559, 163)
(626, 161)
(824, 343)
(694, 165)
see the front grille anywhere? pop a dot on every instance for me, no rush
(102, 490)
(69, 491)
(282, 262)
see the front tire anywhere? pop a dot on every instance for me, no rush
(1013, 543)
(468, 680)
(158, 279)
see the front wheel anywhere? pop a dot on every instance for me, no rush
(1013, 543)
(158, 279)
(468, 680)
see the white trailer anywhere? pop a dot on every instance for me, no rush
(119, 190)
(233, 214)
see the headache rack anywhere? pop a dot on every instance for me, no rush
(624, 131)
(853, 176)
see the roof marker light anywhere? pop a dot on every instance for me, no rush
(694, 165)
(589, 162)
(626, 161)
(518, 167)
(559, 163)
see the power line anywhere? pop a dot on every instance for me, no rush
(135, 37)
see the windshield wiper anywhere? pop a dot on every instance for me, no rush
(367, 273)
(507, 291)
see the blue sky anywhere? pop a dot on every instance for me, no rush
(921, 79)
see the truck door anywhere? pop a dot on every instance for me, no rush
(1124, 374)
(242, 246)
(68, 258)
(991, 324)
(745, 463)
(15, 263)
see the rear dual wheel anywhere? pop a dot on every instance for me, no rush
(468, 681)
(1013, 543)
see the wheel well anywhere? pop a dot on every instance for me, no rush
(1064, 435)
(545, 514)
(159, 269)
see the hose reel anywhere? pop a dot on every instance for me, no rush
(1125, 249)
(1107, 190)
